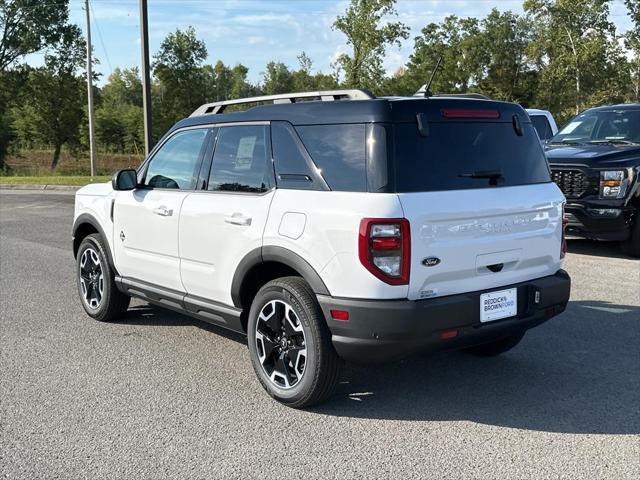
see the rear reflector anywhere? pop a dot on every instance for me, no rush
(448, 334)
(469, 113)
(341, 315)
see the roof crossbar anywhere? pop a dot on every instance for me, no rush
(325, 95)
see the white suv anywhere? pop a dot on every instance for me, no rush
(341, 227)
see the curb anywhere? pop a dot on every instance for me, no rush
(64, 188)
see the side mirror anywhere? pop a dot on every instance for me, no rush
(125, 180)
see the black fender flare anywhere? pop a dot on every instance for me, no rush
(86, 218)
(275, 254)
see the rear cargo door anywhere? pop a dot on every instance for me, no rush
(482, 209)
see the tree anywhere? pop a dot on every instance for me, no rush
(369, 38)
(458, 41)
(508, 72)
(119, 121)
(277, 79)
(577, 51)
(50, 109)
(632, 41)
(181, 80)
(28, 26)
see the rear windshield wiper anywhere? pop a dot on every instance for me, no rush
(613, 142)
(492, 175)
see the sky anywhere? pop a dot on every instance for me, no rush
(254, 32)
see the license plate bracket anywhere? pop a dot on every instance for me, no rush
(498, 305)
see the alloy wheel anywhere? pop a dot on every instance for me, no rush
(91, 278)
(281, 344)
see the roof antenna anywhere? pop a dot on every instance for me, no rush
(427, 88)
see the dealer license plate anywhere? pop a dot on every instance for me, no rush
(497, 305)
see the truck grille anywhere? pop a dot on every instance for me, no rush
(573, 183)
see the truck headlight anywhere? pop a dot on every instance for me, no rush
(614, 183)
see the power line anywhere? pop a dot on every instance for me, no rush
(104, 48)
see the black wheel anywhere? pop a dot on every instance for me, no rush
(632, 245)
(96, 287)
(497, 347)
(290, 344)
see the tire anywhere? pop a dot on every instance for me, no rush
(632, 246)
(98, 293)
(496, 347)
(290, 344)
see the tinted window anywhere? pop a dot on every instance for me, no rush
(339, 152)
(609, 126)
(240, 160)
(453, 152)
(542, 126)
(293, 167)
(176, 164)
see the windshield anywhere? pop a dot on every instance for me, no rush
(602, 127)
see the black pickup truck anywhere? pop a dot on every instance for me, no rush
(595, 160)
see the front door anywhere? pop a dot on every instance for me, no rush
(146, 219)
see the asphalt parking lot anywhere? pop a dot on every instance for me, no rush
(159, 395)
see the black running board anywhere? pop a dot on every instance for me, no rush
(206, 310)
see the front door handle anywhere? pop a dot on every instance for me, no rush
(163, 211)
(238, 219)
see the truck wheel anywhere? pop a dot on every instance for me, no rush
(95, 278)
(497, 347)
(290, 344)
(632, 245)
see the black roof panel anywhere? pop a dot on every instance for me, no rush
(391, 109)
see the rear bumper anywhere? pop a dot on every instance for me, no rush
(599, 223)
(383, 330)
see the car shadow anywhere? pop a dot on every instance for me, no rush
(146, 314)
(578, 373)
(596, 248)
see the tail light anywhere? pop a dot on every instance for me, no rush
(563, 245)
(385, 248)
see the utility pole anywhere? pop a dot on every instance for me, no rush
(146, 77)
(92, 138)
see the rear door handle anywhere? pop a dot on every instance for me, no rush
(238, 219)
(163, 211)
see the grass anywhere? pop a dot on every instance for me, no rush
(76, 180)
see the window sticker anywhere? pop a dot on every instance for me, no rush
(244, 156)
(571, 127)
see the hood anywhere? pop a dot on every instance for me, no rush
(596, 156)
(96, 189)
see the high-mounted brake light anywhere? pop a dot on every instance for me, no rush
(469, 113)
(384, 248)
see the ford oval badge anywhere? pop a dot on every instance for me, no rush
(430, 261)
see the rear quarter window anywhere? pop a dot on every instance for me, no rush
(453, 151)
(339, 152)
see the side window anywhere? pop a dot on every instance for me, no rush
(240, 160)
(292, 163)
(541, 124)
(339, 152)
(176, 164)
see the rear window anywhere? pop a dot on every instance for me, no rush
(541, 124)
(461, 155)
(339, 152)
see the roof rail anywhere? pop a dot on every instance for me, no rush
(325, 96)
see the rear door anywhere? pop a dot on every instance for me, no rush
(221, 224)
(482, 209)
